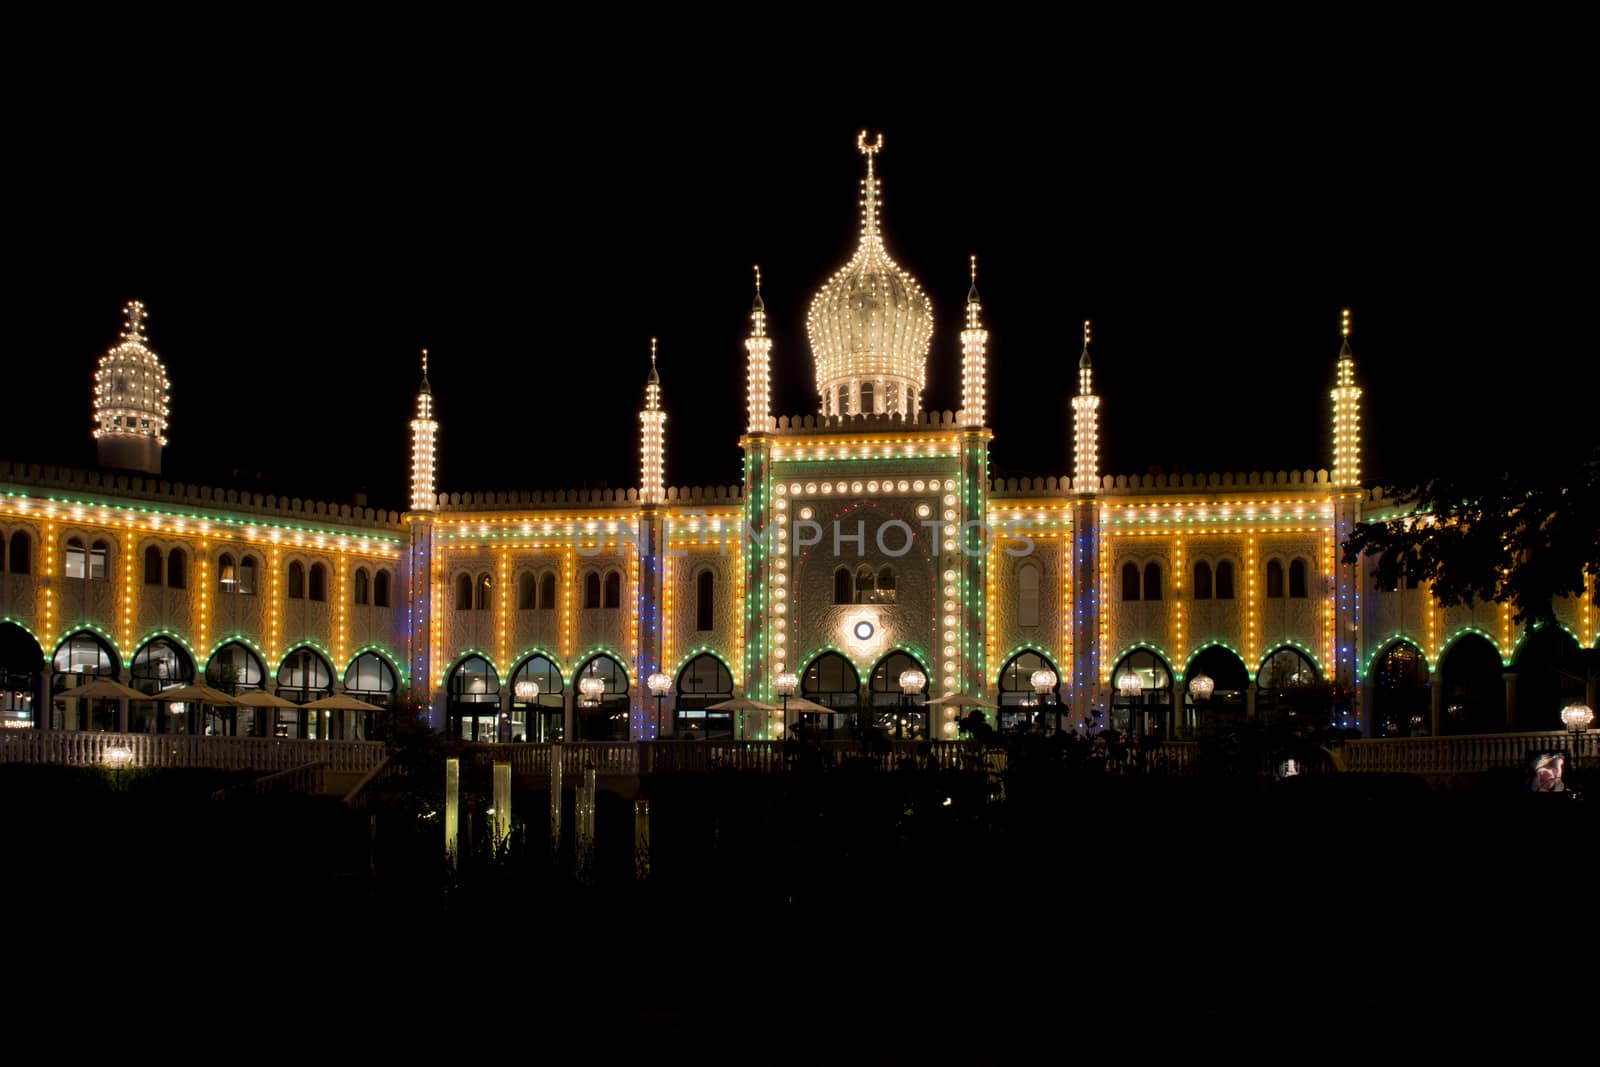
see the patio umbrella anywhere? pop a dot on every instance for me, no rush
(741, 704)
(260, 698)
(103, 689)
(340, 702)
(194, 694)
(810, 707)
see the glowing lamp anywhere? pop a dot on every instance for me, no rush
(1129, 685)
(912, 681)
(1201, 687)
(591, 686)
(785, 683)
(1577, 716)
(659, 684)
(526, 690)
(1044, 680)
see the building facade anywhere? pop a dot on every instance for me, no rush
(866, 561)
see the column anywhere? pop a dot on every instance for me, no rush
(1436, 684)
(1250, 701)
(1511, 699)
(502, 729)
(567, 730)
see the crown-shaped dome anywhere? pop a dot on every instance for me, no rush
(130, 385)
(871, 323)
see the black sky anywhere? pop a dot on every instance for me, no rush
(297, 247)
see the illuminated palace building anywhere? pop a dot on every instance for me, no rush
(866, 563)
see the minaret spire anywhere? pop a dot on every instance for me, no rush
(974, 365)
(133, 316)
(758, 371)
(1346, 413)
(1086, 424)
(424, 446)
(652, 438)
(870, 202)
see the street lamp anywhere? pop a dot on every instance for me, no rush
(1044, 681)
(1200, 689)
(1577, 717)
(912, 682)
(784, 683)
(527, 691)
(659, 685)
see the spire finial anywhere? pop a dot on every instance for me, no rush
(426, 388)
(652, 353)
(133, 316)
(653, 383)
(1086, 335)
(1344, 332)
(1083, 361)
(869, 186)
(759, 305)
(972, 293)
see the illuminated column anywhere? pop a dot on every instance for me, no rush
(758, 385)
(1085, 425)
(419, 619)
(647, 555)
(974, 343)
(1346, 477)
(1087, 696)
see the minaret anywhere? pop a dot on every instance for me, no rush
(974, 344)
(420, 599)
(1348, 497)
(758, 346)
(1088, 688)
(1346, 415)
(424, 446)
(652, 437)
(648, 594)
(1086, 425)
(131, 392)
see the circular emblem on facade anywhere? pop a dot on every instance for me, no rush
(864, 630)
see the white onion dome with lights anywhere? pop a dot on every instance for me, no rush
(871, 324)
(131, 393)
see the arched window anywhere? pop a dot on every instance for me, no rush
(1028, 594)
(1017, 699)
(832, 680)
(1143, 704)
(604, 718)
(77, 565)
(527, 591)
(483, 590)
(842, 586)
(247, 576)
(864, 584)
(891, 398)
(85, 655)
(1225, 580)
(538, 719)
(227, 574)
(703, 680)
(317, 587)
(161, 664)
(1152, 581)
(304, 676)
(1287, 687)
(614, 590)
(704, 598)
(369, 677)
(152, 565)
(885, 584)
(234, 668)
(1398, 689)
(1297, 578)
(1274, 579)
(591, 590)
(297, 580)
(1130, 581)
(361, 585)
(21, 662)
(547, 591)
(99, 562)
(866, 398)
(21, 554)
(474, 699)
(177, 569)
(463, 592)
(380, 588)
(1202, 580)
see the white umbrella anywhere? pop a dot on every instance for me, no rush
(961, 700)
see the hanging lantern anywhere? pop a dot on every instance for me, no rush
(912, 681)
(527, 690)
(1042, 680)
(659, 684)
(591, 686)
(784, 683)
(1577, 716)
(1201, 687)
(1130, 685)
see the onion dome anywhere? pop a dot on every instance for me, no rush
(131, 393)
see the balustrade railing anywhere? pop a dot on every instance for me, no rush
(1466, 754)
(185, 750)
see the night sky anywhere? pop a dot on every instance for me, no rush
(296, 253)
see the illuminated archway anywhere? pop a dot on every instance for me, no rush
(1397, 686)
(21, 663)
(603, 717)
(472, 701)
(1019, 704)
(1141, 694)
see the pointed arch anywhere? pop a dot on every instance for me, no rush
(613, 589)
(297, 580)
(1152, 580)
(547, 591)
(361, 587)
(305, 674)
(380, 587)
(1397, 679)
(483, 592)
(153, 565)
(703, 679)
(235, 667)
(1274, 579)
(606, 717)
(177, 569)
(1298, 589)
(527, 591)
(463, 592)
(591, 589)
(1202, 580)
(1130, 581)
(472, 699)
(1308, 654)
(843, 586)
(1224, 579)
